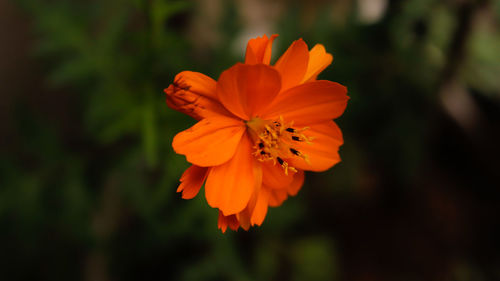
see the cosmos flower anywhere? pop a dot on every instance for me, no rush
(260, 127)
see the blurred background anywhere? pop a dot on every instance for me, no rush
(88, 176)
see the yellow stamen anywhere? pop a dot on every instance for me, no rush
(274, 141)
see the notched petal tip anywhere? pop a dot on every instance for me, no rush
(191, 181)
(259, 50)
(319, 59)
(227, 221)
(292, 65)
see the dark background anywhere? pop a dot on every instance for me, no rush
(88, 175)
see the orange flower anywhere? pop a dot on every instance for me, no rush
(260, 127)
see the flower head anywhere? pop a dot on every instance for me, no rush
(260, 127)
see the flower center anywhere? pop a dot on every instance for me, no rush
(274, 141)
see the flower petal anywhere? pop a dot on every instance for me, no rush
(256, 210)
(225, 221)
(244, 216)
(210, 142)
(296, 185)
(246, 89)
(194, 94)
(292, 65)
(230, 186)
(274, 176)
(309, 103)
(260, 209)
(277, 197)
(191, 181)
(259, 50)
(319, 59)
(323, 151)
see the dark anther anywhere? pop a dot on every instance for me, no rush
(295, 138)
(294, 151)
(291, 130)
(280, 160)
(261, 145)
(262, 152)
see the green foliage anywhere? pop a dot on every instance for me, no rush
(104, 183)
